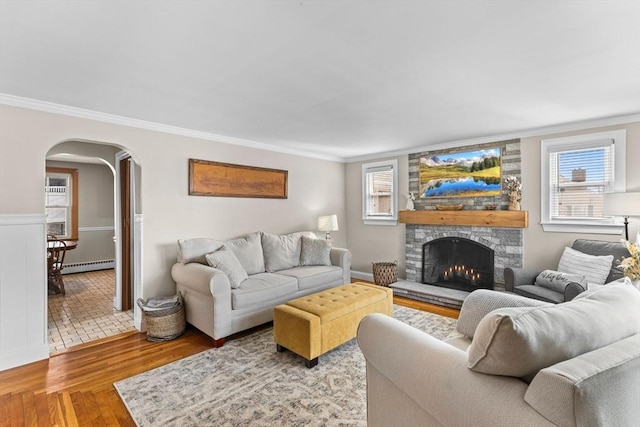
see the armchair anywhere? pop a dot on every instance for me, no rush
(523, 281)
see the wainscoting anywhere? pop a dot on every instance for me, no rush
(23, 290)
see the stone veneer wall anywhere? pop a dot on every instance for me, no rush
(506, 242)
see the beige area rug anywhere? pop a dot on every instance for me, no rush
(247, 383)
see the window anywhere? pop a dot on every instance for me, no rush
(576, 172)
(61, 202)
(380, 193)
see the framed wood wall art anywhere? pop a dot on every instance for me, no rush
(228, 180)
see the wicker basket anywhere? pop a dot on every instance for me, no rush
(165, 324)
(385, 273)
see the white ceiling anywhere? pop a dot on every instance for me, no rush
(333, 79)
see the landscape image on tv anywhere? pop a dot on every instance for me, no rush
(468, 174)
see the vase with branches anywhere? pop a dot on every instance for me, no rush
(514, 190)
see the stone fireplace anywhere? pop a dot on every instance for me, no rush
(503, 249)
(458, 263)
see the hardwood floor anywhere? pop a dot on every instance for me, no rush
(75, 387)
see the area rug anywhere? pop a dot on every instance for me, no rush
(247, 383)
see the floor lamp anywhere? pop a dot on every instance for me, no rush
(622, 204)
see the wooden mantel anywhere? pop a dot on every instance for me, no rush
(482, 218)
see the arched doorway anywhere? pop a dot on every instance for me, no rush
(108, 240)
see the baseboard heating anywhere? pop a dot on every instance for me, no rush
(81, 267)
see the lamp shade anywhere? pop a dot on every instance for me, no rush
(622, 204)
(328, 223)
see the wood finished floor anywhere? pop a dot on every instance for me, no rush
(75, 387)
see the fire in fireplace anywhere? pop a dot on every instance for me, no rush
(457, 263)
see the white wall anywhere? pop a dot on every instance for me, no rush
(373, 243)
(316, 187)
(541, 249)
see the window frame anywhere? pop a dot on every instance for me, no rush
(606, 225)
(73, 173)
(376, 219)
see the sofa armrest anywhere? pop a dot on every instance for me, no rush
(207, 295)
(199, 277)
(518, 277)
(342, 258)
(481, 302)
(572, 290)
(406, 367)
(597, 386)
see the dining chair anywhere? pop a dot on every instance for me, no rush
(55, 263)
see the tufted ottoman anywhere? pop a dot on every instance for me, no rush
(312, 325)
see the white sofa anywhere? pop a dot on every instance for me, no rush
(230, 286)
(533, 364)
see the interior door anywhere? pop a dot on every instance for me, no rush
(126, 240)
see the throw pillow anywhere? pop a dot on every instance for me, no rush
(594, 268)
(315, 251)
(558, 281)
(521, 341)
(223, 259)
(195, 250)
(248, 250)
(282, 251)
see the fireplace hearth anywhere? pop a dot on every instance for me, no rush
(458, 263)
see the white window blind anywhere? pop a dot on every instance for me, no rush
(380, 199)
(576, 172)
(578, 180)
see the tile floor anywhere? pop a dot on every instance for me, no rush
(86, 312)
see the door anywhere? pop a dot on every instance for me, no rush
(126, 301)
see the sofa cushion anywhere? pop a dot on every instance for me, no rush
(195, 250)
(262, 288)
(311, 277)
(594, 268)
(558, 281)
(315, 251)
(248, 250)
(224, 259)
(282, 251)
(520, 341)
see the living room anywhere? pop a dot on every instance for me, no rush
(322, 179)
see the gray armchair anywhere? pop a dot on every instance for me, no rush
(523, 281)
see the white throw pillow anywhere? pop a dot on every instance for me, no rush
(558, 281)
(224, 259)
(519, 342)
(594, 268)
(315, 251)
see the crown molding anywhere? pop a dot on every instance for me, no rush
(50, 107)
(547, 130)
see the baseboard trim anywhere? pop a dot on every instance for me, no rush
(82, 267)
(361, 275)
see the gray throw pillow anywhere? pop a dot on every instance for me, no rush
(519, 342)
(224, 260)
(558, 281)
(315, 251)
(282, 251)
(248, 250)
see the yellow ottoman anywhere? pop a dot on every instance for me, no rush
(312, 325)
